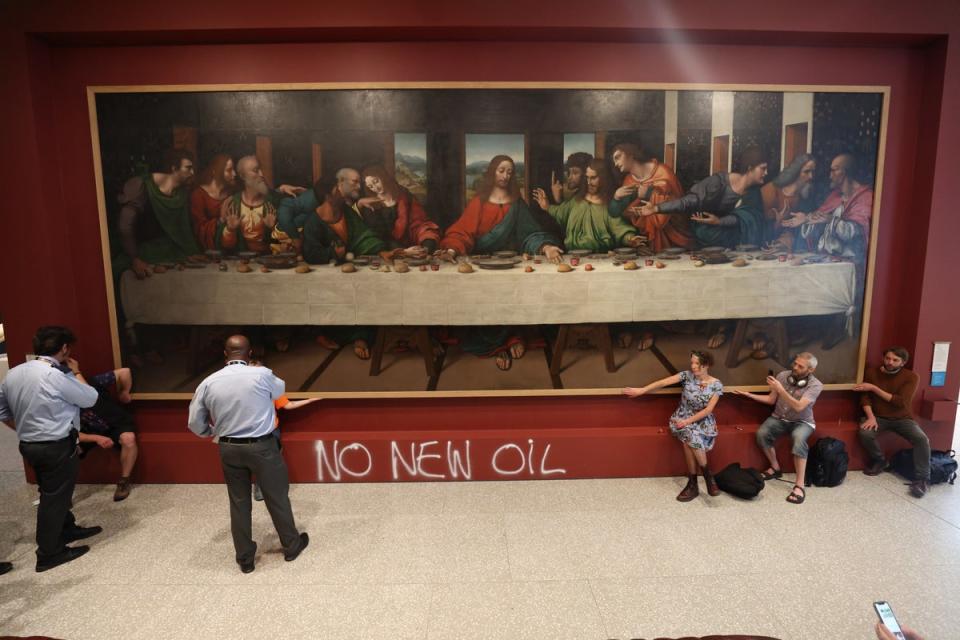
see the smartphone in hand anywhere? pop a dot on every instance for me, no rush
(885, 611)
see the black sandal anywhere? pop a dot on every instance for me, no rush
(794, 498)
(774, 474)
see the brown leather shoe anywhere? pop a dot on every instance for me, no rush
(918, 488)
(123, 490)
(712, 488)
(875, 468)
(691, 491)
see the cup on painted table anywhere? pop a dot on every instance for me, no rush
(782, 257)
(648, 262)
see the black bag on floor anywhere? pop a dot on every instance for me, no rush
(739, 482)
(943, 465)
(827, 463)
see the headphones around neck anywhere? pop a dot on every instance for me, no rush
(799, 383)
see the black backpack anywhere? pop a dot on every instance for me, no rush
(739, 482)
(943, 465)
(827, 463)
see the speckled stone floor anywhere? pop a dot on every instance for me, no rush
(591, 559)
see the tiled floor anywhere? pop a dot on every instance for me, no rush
(591, 559)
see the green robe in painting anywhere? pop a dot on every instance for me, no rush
(320, 241)
(162, 230)
(589, 226)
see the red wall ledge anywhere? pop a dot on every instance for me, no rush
(401, 445)
(443, 455)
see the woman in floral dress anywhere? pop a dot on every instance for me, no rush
(693, 422)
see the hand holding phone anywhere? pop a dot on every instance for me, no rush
(887, 619)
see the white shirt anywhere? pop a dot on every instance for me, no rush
(236, 401)
(43, 401)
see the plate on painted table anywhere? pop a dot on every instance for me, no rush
(278, 261)
(495, 263)
(715, 258)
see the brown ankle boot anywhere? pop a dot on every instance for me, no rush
(691, 491)
(712, 488)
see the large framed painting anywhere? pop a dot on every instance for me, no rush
(487, 239)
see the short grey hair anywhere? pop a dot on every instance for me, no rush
(810, 358)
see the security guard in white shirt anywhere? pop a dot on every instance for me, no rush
(235, 404)
(43, 404)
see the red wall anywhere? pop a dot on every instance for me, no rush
(52, 52)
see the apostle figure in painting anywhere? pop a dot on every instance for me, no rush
(726, 208)
(574, 184)
(249, 217)
(584, 217)
(154, 224)
(647, 181)
(497, 219)
(574, 173)
(841, 225)
(334, 229)
(786, 195)
(395, 215)
(216, 184)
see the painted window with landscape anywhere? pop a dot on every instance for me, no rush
(410, 162)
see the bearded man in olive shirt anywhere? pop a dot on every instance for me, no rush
(887, 395)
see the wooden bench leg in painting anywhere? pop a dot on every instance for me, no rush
(733, 351)
(558, 348)
(782, 341)
(193, 350)
(601, 334)
(422, 337)
(376, 357)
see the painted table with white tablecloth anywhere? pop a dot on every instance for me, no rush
(327, 296)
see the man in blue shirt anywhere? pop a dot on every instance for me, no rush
(235, 405)
(43, 404)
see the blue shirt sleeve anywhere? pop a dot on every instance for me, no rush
(74, 391)
(4, 407)
(199, 419)
(276, 385)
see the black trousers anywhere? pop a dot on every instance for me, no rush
(55, 465)
(262, 459)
